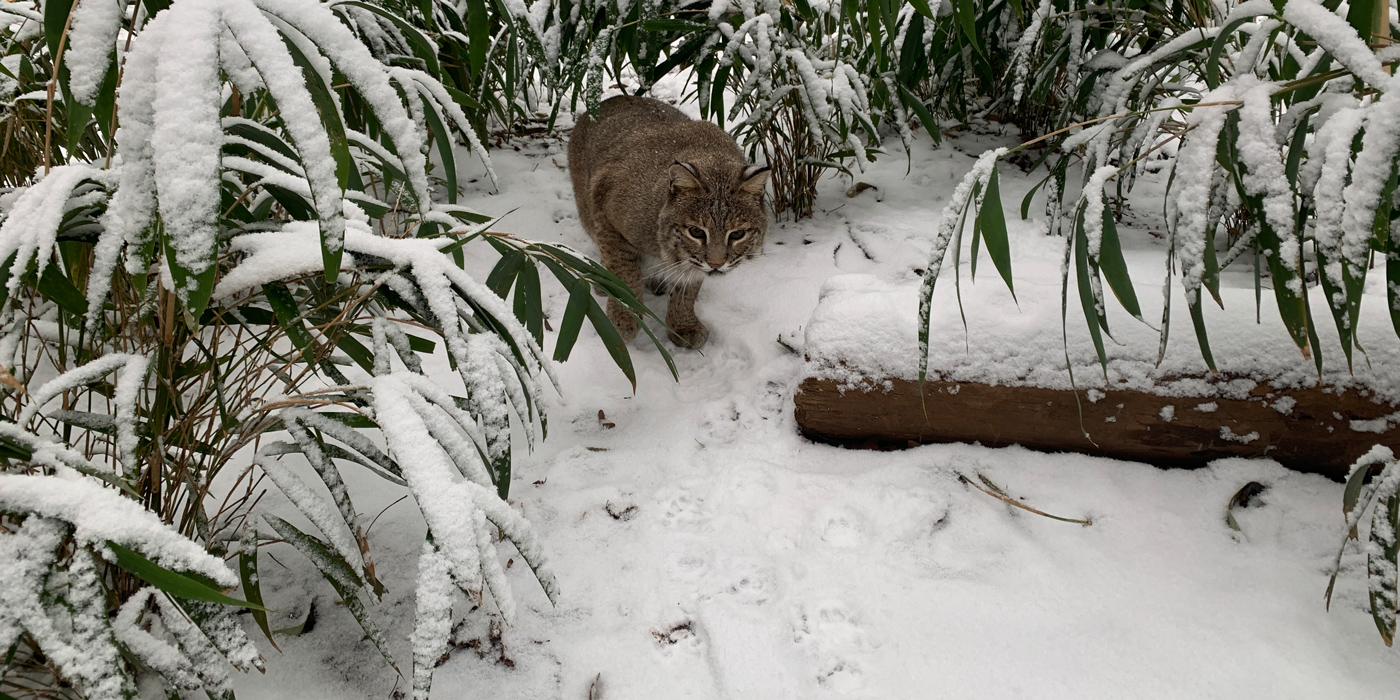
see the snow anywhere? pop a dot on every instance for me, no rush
(156, 653)
(92, 41)
(1189, 201)
(1339, 39)
(31, 228)
(99, 514)
(1374, 164)
(1264, 170)
(705, 550)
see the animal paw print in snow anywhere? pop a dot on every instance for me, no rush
(682, 511)
(751, 584)
(682, 634)
(836, 637)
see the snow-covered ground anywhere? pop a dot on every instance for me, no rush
(705, 550)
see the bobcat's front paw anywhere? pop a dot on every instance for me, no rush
(691, 337)
(624, 323)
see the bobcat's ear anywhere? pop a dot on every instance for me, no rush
(684, 176)
(753, 180)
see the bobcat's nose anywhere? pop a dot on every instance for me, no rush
(715, 265)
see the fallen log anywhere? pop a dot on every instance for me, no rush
(1315, 429)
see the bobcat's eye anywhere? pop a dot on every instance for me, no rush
(735, 236)
(697, 233)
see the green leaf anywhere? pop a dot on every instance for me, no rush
(346, 172)
(193, 289)
(178, 585)
(79, 115)
(478, 36)
(1092, 317)
(1114, 267)
(1198, 322)
(285, 308)
(992, 220)
(922, 7)
(1351, 493)
(612, 340)
(357, 352)
(1360, 15)
(503, 275)
(1392, 278)
(248, 572)
(55, 287)
(55, 20)
(965, 14)
(529, 308)
(926, 117)
(579, 301)
(443, 138)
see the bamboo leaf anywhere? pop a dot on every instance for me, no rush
(579, 300)
(285, 308)
(992, 221)
(176, 584)
(445, 145)
(345, 170)
(194, 289)
(612, 340)
(1115, 267)
(1092, 315)
(529, 308)
(669, 24)
(252, 589)
(1199, 323)
(1381, 571)
(503, 275)
(55, 287)
(339, 574)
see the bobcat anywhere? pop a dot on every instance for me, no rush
(655, 187)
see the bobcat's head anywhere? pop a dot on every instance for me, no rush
(713, 219)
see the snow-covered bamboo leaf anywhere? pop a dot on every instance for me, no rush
(1392, 279)
(100, 515)
(423, 48)
(1093, 308)
(1381, 551)
(334, 127)
(252, 584)
(180, 585)
(432, 624)
(339, 574)
(443, 139)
